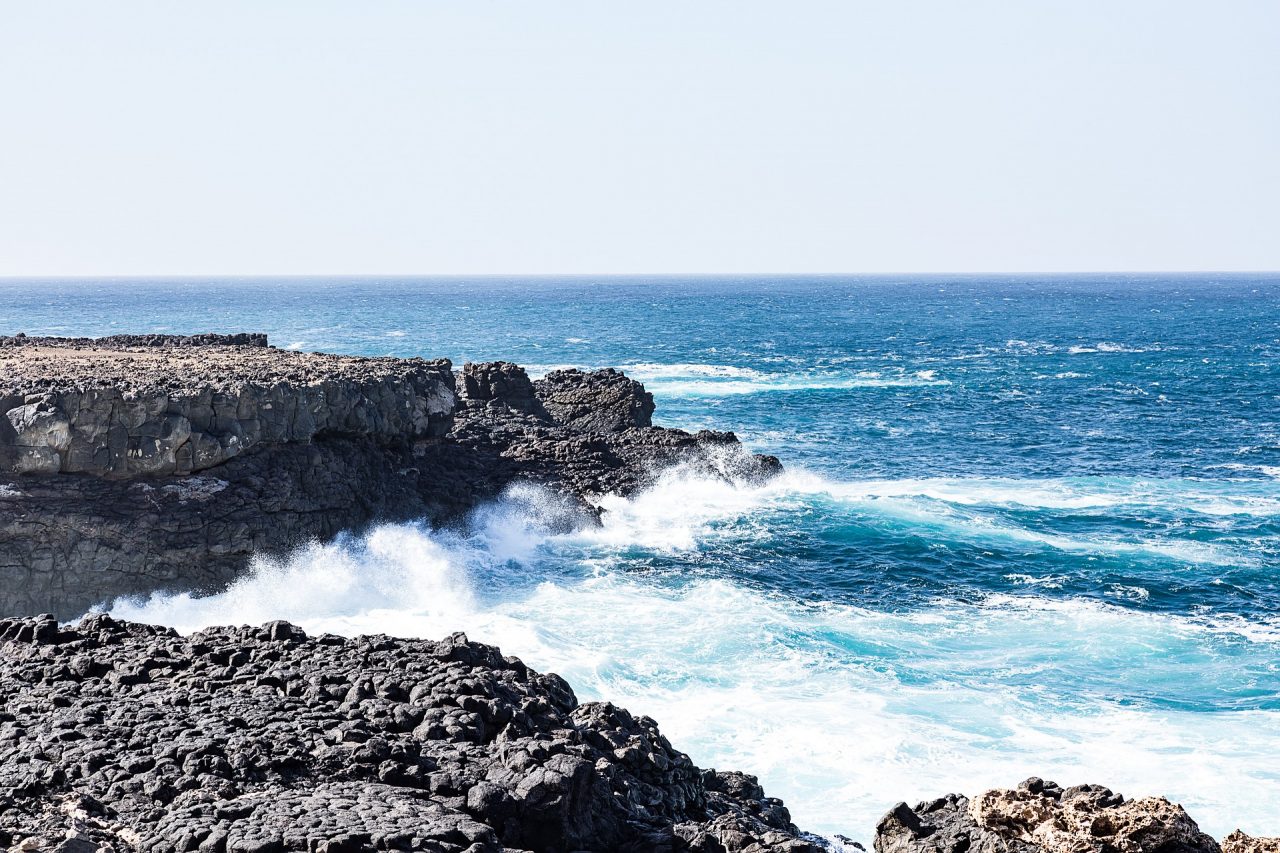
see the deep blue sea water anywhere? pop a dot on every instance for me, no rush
(1030, 525)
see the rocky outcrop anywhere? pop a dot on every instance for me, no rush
(176, 406)
(1043, 817)
(600, 401)
(122, 737)
(1238, 842)
(145, 463)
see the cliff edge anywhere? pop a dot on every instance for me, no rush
(152, 462)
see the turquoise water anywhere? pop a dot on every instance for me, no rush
(1029, 526)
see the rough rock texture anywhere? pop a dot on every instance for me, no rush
(178, 459)
(118, 409)
(603, 401)
(1238, 842)
(124, 737)
(1042, 817)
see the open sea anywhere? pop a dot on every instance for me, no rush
(1029, 526)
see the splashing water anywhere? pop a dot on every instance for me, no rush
(1031, 524)
(841, 708)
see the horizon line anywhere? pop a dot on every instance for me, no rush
(12, 277)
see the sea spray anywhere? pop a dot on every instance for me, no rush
(841, 705)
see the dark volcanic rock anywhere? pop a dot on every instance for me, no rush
(124, 737)
(143, 463)
(498, 382)
(1042, 817)
(597, 401)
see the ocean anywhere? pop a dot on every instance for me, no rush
(1030, 525)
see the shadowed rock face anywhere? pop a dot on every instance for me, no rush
(1043, 817)
(123, 737)
(143, 463)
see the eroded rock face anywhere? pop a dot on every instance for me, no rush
(121, 482)
(1042, 817)
(117, 408)
(124, 737)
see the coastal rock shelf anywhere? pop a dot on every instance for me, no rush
(131, 406)
(117, 737)
(141, 463)
(1044, 817)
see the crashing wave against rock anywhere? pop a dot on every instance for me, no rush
(142, 463)
(121, 737)
(1043, 817)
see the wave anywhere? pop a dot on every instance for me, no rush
(841, 710)
(649, 370)
(688, 380)
(710, 385)
(682, 511)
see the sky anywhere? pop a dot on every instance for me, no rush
(419, 137)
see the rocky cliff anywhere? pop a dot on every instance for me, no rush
(129, 406)
(143, 463)
(117, 737)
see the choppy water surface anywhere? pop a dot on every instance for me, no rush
(1029, 526)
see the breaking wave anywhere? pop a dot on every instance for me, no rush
(841, 703)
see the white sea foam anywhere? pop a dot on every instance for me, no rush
(839, 709)
(690, 379)
(648, 370)
(790, 382)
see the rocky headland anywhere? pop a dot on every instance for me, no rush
(142, 463)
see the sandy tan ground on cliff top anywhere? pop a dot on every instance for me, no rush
(37, 369)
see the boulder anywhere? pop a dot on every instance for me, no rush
(1042, 817)
(598, 401)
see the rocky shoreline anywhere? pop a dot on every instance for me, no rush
(123, 738)
(143, 463)
(137, 464)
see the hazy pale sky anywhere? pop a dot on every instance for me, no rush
(548, 136)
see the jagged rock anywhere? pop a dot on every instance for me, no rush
(498, 382)
(144, 463)
(1042, 817)
(1238, 842)
(265, 739)
(599, 401)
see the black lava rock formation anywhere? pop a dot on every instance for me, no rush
(120, 737)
